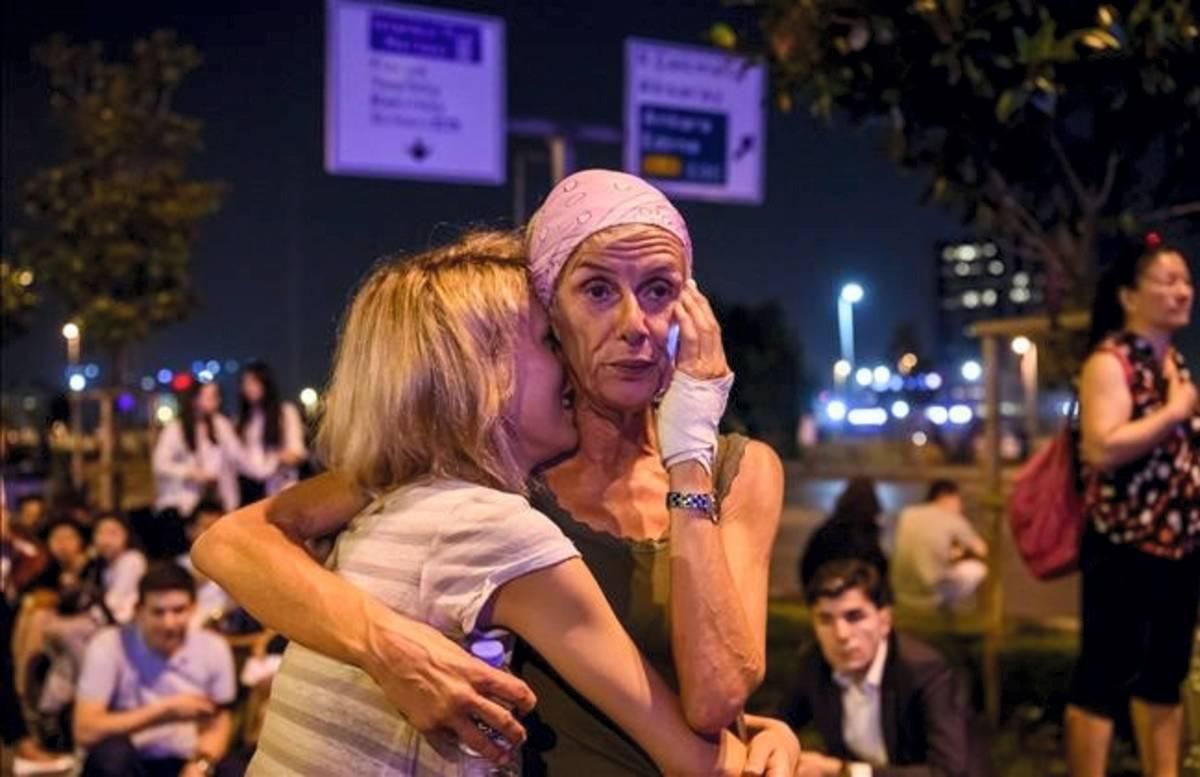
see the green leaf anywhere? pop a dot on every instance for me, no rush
(1011, 100)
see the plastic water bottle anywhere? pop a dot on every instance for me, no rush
(491, 650)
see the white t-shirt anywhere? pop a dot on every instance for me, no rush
(436, 552)
(925, 539)
(173, 461)
(257, 462)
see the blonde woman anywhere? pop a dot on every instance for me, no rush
(445, 394)
(675, 522)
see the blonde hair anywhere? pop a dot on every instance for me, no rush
(424, 368)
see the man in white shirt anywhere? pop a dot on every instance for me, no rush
(939, 557)
(884, 704)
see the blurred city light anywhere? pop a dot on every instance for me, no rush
(960, 414)
(148, 383)
(919, 439)
(1021, 345)
(863, 376)
(309, 397)
(842, 369)
(164, 414)
(852, 293)
(867, 416)
(933, 381)
(70, 331)
(900, 409)
(836, 411)
(880, 377)
(213, 366)
(937, 414)
(91, 371)
(972, 371)
(77, 382)
(204, 376)
(907, 362)
(165, 376)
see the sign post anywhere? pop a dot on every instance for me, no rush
(414, 93)
(694, 121)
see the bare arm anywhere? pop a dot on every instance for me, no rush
(256, 554)
(1110, 438)
(719, 588)
(94, 722)
(561, 611)
(214, 734)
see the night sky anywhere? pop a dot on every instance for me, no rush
(274, 267)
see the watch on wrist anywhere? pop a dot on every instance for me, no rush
(699, 503)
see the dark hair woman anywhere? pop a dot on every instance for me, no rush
(271, 434)
(852, 532)
(193, 459)
(1140, 448)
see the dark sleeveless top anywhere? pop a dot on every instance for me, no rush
(1151, 503)
(567, 735)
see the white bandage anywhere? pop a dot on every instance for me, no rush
(688, 418)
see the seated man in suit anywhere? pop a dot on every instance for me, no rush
(884, 704)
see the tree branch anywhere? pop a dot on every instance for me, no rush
(1081, 192)
(1181, 210)
(1110, 177)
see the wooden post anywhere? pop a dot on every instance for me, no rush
(993, 592)
(107, 434)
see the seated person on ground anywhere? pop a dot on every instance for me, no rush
(107, 593)
(212, 603)
(884, 704)
(153, 695)
(939, 559)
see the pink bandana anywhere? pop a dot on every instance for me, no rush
(585, 203)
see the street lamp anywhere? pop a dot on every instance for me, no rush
(71, 334)
(1024, 347)
(841, 371)
(851, 295)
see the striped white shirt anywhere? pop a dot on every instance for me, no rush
(436, 552)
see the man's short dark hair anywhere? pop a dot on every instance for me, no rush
(205, 506)
(165, 576)
(24, 500)
(835, 578)
(941, 488)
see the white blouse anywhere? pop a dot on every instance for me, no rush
(173, 462)
(256, 462)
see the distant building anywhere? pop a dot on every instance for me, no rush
(976, 282)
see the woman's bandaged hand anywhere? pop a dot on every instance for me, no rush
(689, 416)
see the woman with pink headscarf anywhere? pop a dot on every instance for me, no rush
(675, 522)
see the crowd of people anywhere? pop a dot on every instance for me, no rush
(521, 446)
(98, 604)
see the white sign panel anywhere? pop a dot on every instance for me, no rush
(694, 121)
(414, 93)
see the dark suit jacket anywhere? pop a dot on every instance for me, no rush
(927, 718)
